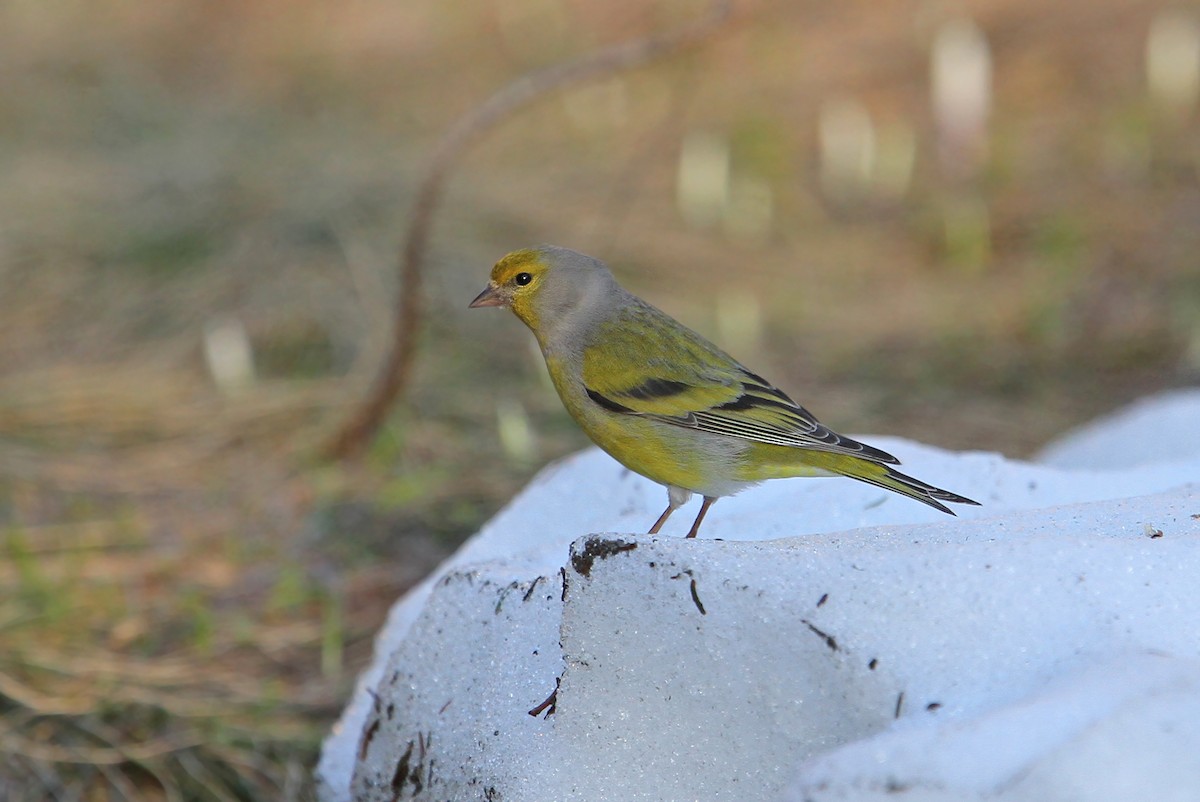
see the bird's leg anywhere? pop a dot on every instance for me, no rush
(708, 500)
(662, 519)
(676, 498)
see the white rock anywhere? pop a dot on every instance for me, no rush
(994, 626)
(450, 711)
(1159, 428)
(1116, 730)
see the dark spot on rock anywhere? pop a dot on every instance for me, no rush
(825, 636)
(696, 598)
(596, 548)
(400, 776)
(550, 703)
(368, 736)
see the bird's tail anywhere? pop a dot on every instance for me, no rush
(777, 462)
(889, 478)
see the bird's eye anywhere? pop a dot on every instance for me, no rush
(523, 278)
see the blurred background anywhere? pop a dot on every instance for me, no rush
(974, 224)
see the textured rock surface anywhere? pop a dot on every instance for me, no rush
(834, 643)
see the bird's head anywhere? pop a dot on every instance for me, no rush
(543, 286)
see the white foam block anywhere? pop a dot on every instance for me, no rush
(710, 670)
(661, 679)
(1160, 428)
(449, 716)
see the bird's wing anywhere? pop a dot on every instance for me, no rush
(644, 363)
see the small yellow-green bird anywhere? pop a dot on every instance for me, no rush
(664, 401)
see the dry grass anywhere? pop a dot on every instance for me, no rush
(186, 593)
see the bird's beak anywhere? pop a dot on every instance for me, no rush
(489, 297)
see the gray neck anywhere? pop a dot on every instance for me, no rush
(571, 315)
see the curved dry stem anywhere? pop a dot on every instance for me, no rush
(364, 422)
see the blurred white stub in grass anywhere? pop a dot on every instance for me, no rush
(228, 354)
(846, 139)
(1173, 62)
(516, 435)
(702, 185)
(961, 88)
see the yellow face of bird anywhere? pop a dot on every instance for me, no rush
(515, 282)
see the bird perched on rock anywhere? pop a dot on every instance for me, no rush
(664, 401)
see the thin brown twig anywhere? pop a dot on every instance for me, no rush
(118, 782)
(15, 743)
(44, 705)
(362, 424)
(248, 762)
(198, 771)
